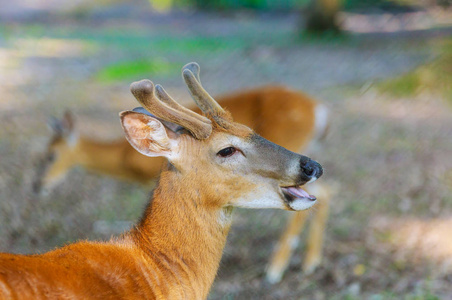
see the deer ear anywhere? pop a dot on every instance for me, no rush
(55, 125)
(70, 132)
(68, 121)
(146, 134)
(64, 128)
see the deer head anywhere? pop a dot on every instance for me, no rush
(59, 156)
(223, 163)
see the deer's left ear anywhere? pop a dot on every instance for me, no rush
(148, 135)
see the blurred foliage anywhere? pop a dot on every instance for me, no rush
(392, 5)
(162, 5)
(433, 77)
(265, 5)
(250, 4)
(137, 68)
(322, 17)
(151, 42)
(127, 70)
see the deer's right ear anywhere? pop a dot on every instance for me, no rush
(146, 134)
(64, 127)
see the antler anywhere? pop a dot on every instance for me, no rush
(169, 110)
(205, 102)
(166, 98)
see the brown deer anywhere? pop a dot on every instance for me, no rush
(214, 164)
(284, 116)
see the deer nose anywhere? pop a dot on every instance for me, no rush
(311, 170)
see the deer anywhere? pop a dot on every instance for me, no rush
(270, 110)
(284, 116)
(213, 165)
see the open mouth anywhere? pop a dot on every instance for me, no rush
(295, 194)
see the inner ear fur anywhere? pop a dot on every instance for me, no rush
(146, 134)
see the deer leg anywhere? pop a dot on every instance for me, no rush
(314, 243)
(287, 243)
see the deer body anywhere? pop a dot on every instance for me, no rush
(279, 114)
(214, 164)
(117, 158)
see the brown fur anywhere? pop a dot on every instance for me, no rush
(281, 115)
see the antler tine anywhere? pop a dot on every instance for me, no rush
(205, 102)
(144, 92)
(166, 98)
(194, 68)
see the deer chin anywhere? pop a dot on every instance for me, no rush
(297, 199)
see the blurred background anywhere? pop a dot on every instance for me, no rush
(383, 67)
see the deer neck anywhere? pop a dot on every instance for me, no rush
(183, 234)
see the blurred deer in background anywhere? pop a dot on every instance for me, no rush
(214, 164)
(67, 149)
(281, 115)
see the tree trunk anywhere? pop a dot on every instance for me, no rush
(322, 16)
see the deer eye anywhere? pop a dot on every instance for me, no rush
(226, 152)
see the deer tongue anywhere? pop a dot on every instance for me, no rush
(299, 192)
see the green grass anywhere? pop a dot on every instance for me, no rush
(137, 68)
(154, 40)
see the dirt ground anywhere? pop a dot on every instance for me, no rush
(388, 236)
